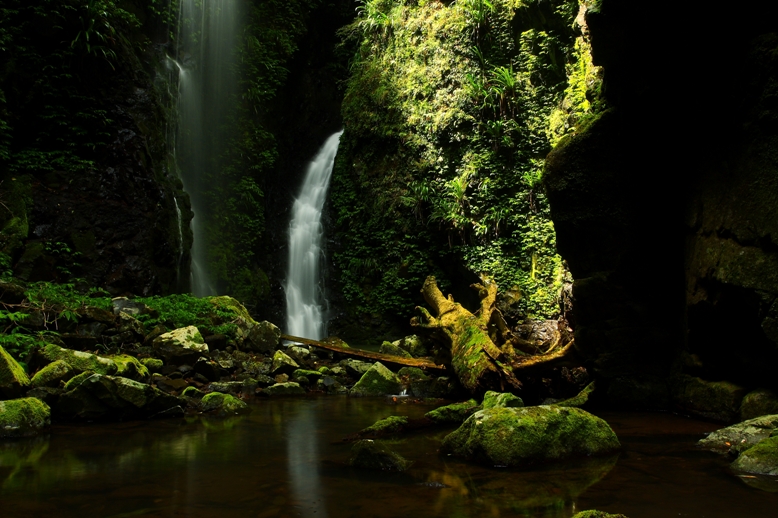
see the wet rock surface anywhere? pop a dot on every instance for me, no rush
(24, 417)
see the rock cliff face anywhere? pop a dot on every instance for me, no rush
(665, 206)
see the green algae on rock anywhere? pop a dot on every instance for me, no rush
(369, 454)
(454, 413)
(13, 379)
(521, 436)
(79, 360)
(222, 405)
(377, 381)
(52, 374)
(24, 417)
(494, 399)
(760, 459)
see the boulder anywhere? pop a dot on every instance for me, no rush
(715, 400)
(152, 364)
(412, 374)
(761, 459)
(284, 389)
(455, 413)
(283, 364)
(222, 405)
(521, 436)
(501, 399)
(393, 350)
(377, 381)
(53, 374)
(369, 454)
(192, 392)
(48, 395)
(353, 368)
(13, 379)
(742, 436)
(80, 361)
(130, 367)
(24, 417)
(262, 337)
(414, 345)
(184, 345)
(441, 387)
(300, 354)
(330, 385)
(757, 403)
(389, 425)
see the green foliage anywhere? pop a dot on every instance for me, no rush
(176, 311)
(447, 115)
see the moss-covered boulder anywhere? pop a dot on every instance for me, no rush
(414, 345)
(24, 417)
(53, 374)
(580, 399)
(192, 392)
(501, 399)
(152, 364)
(742, 436)
(288, 388)
(389, 425)
(369, 454)
(283, 364)
(521, 436)
(715, 400)
(263, 337)
(757, 403)
(310, 374)
(597, 514)
(455, 413)
(79, 360)
(354, 368)
(13, 379)
(393, 350)
(183, 345)
(130, 367)
(412, 374)
(761, 459)
(377, 381)
(222, 405)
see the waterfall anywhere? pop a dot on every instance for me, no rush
(304, 295)
(207, 84)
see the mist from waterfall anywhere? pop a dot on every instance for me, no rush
(207, 84)
(304, 288)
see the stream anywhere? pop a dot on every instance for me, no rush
(286, 459)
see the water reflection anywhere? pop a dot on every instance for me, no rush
(302, 454)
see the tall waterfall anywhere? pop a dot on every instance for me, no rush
(207, 84)
(304, 295)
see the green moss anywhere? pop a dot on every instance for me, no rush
(377, 381)
(455, 413)
(761, 459)
(501, 399)
(393, 350)
(597, 514)
(520, 436)
(284, 389)
(389, 425)
(77, 380)
(374, 455)
(52, 374)
(130, 367)
(12, 375)
(152, 364)
(222, 405)
(23, 417)
(580, 399)
(412, 373)
(80, 361)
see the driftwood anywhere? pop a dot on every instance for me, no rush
(331, 345)
(485, 354)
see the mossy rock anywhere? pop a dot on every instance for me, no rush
(741, 436)
(715, 400)
(393, 350)
(311, 375)
(222, 405)
(455, 413)
(501, 399)
(230, 304)
(192, 392)
(412, 373)
(597, 514)
(389, 425)
(761, 459)
(130, 367)
(76, 380)
(152, 364)
(758, 403)
(24, 417)
(377, 381)
(13, 379)
(288, 388)
(183, 345)
(283, 364)
(52, 374)
(521, 436)
(369, 454)
(80, 361)
(414, 345)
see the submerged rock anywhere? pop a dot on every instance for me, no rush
(284, 389)
(742, 436)
(501, 399)
(520, 436)
(184, 345)
(377, 381)
(13, 379)
(222, 405)
(24, 417)
(52, 374)
(757, 403)
(455, 413)
(761, 459)
(80, 361)
(369, 454)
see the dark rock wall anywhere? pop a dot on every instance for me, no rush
(665, 206)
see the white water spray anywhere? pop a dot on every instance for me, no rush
(304, 295)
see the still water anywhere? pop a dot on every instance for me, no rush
(285, 459)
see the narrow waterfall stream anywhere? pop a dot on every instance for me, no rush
(208, 30)
(304, 294)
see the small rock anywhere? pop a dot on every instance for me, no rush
(263, 337)
(301, 354)
(226, 387)
(283, 364)
(393, 350)
(377, 381)
(369, 454)
(192, 392)
(48, 395)
(222, 405)
(354, 368)
(171, 385)
(152, 364)
(130, 307)
(24, 417)
(209, 369)
(130, 367)
(414, 345)
(284, 389)
(281, 378)
(184, 345)
(389, 425)
(412, 373)
(440, 387)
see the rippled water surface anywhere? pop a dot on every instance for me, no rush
(286, 459)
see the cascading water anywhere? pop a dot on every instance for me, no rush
(207, 84)
(304, 295)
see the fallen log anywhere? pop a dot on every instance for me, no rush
(386, 359)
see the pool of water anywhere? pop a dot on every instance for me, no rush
(286, 459)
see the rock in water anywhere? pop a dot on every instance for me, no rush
(288, 388)
(23, 417)
(184, 345)
(370, 454)
(222, 405)
(761, 459)
(520, 436)
(455, 413)
(377, 381)
(13, 379)
(742, 436)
